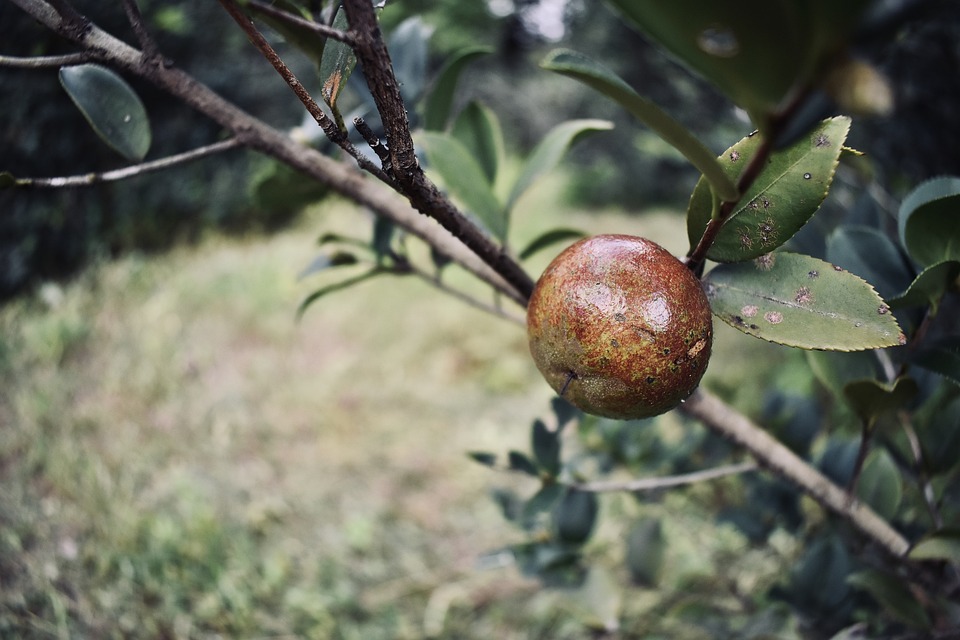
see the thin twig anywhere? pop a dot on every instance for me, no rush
(316, 27)
(666, 482)
(135, 18)
(440, 285)
(44, 62)
(374, 58)
(929, 499)
(374, 142)
(88, 179)
(866, 440)
(329, 126)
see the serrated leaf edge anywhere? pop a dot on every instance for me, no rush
(743, 203)
(798, 306)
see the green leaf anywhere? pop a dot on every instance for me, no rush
(880, 484)
(598, 77)
(646, 550)
(337, 63)
(800, 301)
(278, 188)
(327, 261)
(553, 564)
(871, 255)
(575, 516)
(755, 51)
(870, 399)
(597, 601)
(339, 238)
(819, 577)
(546, 447)
(542, 502)
(838, 459)
(942, 356)
(511, 506)
(300, 37)
(942, 545)
(929, 286)
(111, 107)
(439, 259)
(853, 632)
(440, 99)
(408, 51)
(520, 462)
(332, 288)
(893, 594)
(940, 438)
(465, 179)
(564, 411)
(548, 153)
(930, 221)
(835, 369)
(381, 238)
(484, 458)
(478, 129)
(783, 197)
(548, 239)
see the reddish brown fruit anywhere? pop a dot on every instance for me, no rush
(619, 327)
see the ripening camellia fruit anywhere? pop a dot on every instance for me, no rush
(619, 327)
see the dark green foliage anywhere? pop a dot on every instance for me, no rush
(47, 234)
(111, 107)
(549, 238)
(546, 447)
(645, 551)
(817, 585)
(575, 516)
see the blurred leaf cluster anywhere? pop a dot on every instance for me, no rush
(47, 234)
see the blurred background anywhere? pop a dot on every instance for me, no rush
(46, 235)
(180, 458)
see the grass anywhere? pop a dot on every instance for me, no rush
(179, 458)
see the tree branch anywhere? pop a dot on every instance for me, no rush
(318, 28)
(770, 453)
(257, 135)
(135, 18)
(127, 172)
(468, 299)
(482, 254)
(330, 129)
(373, 56)
(666, 482)
(44, 62)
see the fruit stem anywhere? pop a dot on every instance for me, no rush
(571, 376)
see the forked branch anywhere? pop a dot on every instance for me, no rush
(458, 239)
(255, 134)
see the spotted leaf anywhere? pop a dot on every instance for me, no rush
(800, 301)
(786, 193)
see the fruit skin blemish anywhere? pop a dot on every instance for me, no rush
(620, 327)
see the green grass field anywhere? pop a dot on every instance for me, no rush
(179, 458)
